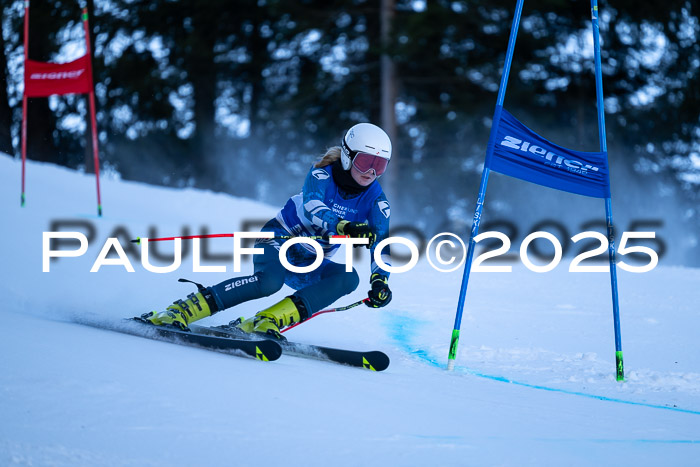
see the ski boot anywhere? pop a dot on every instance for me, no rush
(183, 312)
(268, 322)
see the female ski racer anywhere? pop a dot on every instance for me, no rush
(341, 195)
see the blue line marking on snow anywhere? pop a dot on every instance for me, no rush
(577, 393)
(468, 439)
(648, 441)
(402, 329)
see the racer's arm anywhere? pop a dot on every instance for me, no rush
(379, 294)
(378, 221)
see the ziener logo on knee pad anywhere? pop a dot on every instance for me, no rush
(240, 282)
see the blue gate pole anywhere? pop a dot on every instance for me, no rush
(484, 181)
(620, 372)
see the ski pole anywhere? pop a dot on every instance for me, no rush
(330, 310)
(137, 240)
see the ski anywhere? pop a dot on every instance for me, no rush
(373, 360)
(264, 350)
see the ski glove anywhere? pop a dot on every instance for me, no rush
(380, 295)
(356, 230)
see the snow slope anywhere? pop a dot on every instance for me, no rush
(534, 383)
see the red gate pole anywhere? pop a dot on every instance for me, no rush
(24, 97)
(93, 120)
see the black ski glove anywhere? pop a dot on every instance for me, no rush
(356, 230)
(380, 295)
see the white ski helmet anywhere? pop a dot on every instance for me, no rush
(364, 137)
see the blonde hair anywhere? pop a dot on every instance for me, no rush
(331, 155)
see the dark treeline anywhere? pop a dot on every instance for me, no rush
(203, 94)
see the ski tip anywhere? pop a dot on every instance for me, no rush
(267, 353)
(375, 361)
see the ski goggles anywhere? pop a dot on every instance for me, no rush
(364, 162)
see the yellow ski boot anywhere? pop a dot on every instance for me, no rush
(183, 312)
(268, 322)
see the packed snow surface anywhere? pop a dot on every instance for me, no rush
(534, 383)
